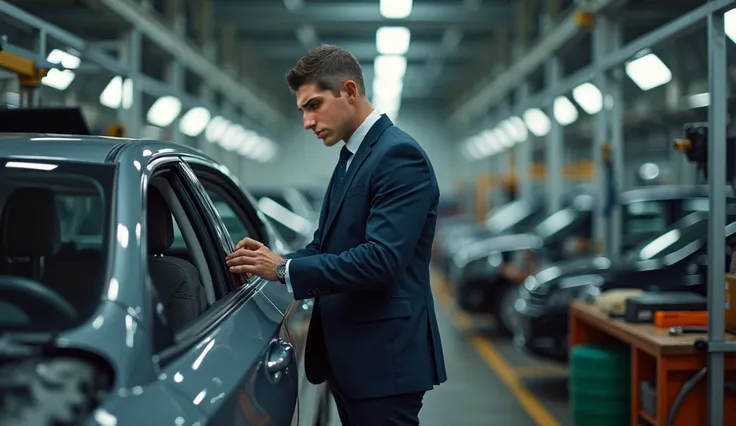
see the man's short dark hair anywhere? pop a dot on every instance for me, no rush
(328, 66)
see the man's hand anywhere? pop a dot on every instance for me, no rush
(248, 244)
(253, 258)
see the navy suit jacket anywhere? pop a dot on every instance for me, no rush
(374, 330)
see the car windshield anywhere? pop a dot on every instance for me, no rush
(688, 229)
(53, 242)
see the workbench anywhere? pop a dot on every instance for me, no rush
(668, 361)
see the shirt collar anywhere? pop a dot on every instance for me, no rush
(360, 133)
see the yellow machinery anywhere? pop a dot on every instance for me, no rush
(29, 74)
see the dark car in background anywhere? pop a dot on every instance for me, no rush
(455, 234)
(104, 319)
(492, 270)
(674, 260)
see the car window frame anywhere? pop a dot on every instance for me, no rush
(199, 329)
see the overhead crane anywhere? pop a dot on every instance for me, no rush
(28, 72)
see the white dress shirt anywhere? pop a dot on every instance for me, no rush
(353, 144)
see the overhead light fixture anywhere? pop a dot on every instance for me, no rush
(699, 100)
(648, 72)
(536, 121)
(389, 66)
(194, 121)
(216, 129)
(515, 128)
(164, 111)
(117, 93)
(504, 140)
(564, 110)
(395, 9)
(729, 19)
(231, 139)
(393, 40)
(588, 97)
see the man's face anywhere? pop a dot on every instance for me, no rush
(325, 114)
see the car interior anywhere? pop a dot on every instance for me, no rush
(40, 219)
(51, 232)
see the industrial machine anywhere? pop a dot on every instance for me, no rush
(695, 147)
(29, 74)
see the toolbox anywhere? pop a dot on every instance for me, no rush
(642, 309)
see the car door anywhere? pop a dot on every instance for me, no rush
(239, 218)
(234, 363)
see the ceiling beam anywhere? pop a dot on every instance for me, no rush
(365, 51)
(262, 16)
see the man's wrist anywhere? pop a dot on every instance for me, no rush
(281, 271)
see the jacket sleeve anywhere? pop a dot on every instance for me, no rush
(405, 189)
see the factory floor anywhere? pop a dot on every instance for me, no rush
(490, 382)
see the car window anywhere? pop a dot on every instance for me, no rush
(691, 228)
(236, 227)
(35, 200)
(644, 217)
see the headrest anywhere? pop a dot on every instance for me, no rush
(30, 223)
(160, 225)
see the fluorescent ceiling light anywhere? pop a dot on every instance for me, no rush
(536, 121)
(648, 71)
(248, 143)
(232, 138)
(393, 40)
(699, 100)
(515, 128)
(216, 129)
(65, 59)
(729, 19)
(117, 93)
(503, 139)
(486, 143)
(389, 66)
(59, 80)
(194, 121)
(164, 111)
(395, 9)
(564, 110)
(588, 97)
(387, 87)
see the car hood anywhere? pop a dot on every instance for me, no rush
(584, 266)
(480, 248)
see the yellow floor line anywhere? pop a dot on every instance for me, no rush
(488, 353)
(539, 371)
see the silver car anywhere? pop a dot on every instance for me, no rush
(116, 305)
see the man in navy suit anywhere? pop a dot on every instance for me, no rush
(374, 335)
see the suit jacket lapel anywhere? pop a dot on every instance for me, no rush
(363, 152)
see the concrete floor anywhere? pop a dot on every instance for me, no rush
(489, 381)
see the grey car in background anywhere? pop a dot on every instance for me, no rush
(116, 305)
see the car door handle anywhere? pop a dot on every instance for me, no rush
(279, 357)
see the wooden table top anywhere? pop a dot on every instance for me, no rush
(648, 337)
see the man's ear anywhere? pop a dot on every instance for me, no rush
(351, 90)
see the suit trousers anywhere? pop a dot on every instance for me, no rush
(394, 410)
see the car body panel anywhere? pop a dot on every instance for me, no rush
(221, 376)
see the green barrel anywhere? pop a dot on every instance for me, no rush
(600, 385)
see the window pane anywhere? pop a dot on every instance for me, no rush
(73, 264)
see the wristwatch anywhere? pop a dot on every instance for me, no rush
(281, 272)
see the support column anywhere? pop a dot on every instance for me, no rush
(524, 16)
(717, 122)
(524, 154)
(130, 53)
(613, 104)
(554, 148)
(205, 38)
(176, 15)
(604, 35)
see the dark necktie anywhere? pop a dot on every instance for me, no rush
(342, 166)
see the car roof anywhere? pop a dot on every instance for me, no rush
(88, 149)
